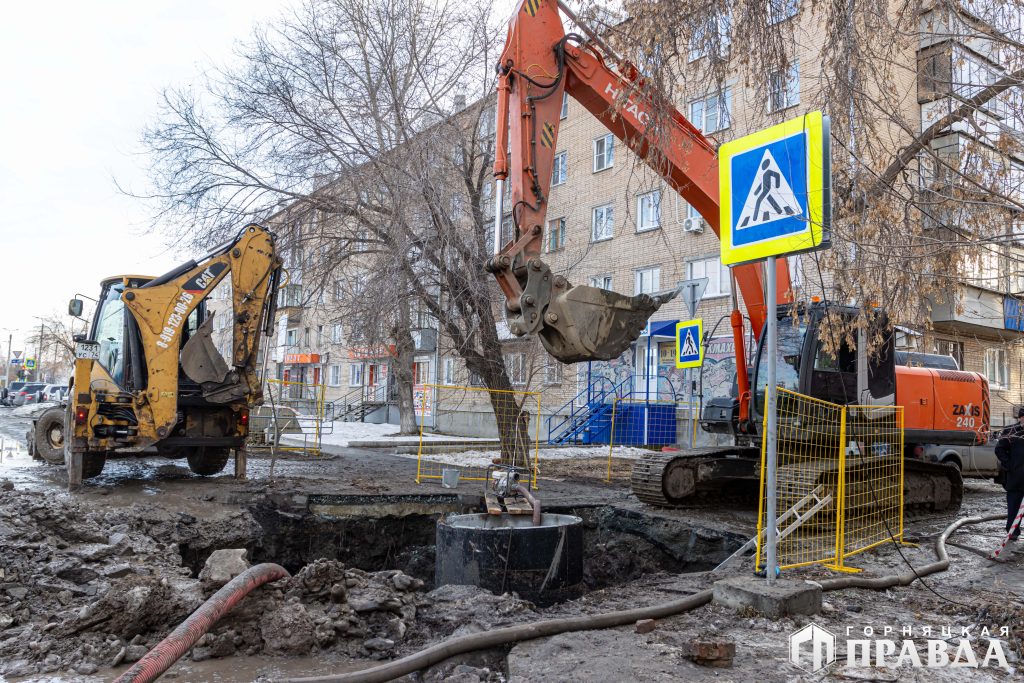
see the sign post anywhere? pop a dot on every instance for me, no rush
(775, 200)
(693, 292)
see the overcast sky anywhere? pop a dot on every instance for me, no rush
(79, 81)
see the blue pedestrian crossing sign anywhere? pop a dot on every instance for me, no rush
(689, 350)
(775, 191)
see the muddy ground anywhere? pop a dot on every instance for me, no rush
(88, 582)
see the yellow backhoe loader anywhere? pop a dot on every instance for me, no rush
(149, 375)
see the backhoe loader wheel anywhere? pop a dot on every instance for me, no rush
(207, 461)
(92, 464)
(49, 436)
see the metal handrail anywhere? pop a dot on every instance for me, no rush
(600, 396)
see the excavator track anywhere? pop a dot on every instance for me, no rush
(683, 479)
(673, 479)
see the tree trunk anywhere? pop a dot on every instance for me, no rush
(512, 417)
(405, 351)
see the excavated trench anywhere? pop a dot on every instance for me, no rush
(379, 532)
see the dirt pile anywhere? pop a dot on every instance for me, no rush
(84, 586)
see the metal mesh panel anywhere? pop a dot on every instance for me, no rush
(469, 428)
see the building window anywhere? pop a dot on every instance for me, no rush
(560, 169)
(715, 34)
(449, 372)
(515, 365)
(355, 375)
(780, 10)
(334, 376)
(604, 152)
(421, 372)
(719, 282)
(319, 336)
(648, 280)
(291, 295)
(292, 338)
(784, 88)
(556, 234)
(601, 281)
(648, 211)
(713, 113)
(565, 106)
(603, 223)
(988, 269)
(996, 368)
(336, 333)
(475, 379)
(552, 371)
(339, 290)
(948, 347)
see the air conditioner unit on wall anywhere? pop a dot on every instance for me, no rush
(694, 225)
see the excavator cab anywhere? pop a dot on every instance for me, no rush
(832, 369)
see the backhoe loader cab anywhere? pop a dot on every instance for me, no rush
(148, 374)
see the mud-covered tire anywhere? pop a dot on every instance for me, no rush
(92, 464)
(171, 453)
(208, 461)
(48, 437)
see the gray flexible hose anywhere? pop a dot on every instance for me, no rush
(550, 627)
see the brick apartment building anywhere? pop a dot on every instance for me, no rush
(613, 223)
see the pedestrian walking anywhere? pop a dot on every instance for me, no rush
(1010, 452)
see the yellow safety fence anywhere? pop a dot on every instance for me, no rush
(296, 412)
(639, 423)
(839, 481)
(469, 428)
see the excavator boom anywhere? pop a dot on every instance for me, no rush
(540, 62)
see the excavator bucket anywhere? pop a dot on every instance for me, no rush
(587, 323)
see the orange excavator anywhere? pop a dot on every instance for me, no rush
(540, 62)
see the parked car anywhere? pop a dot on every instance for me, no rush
(972, 461)
(27, 394)
(51, 392)
(13, 389)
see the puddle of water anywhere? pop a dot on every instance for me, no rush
(13, 452)
(227, 670)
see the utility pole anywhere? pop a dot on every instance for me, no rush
(39, 353)
(7, 364)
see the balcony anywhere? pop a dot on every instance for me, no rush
(979, 311)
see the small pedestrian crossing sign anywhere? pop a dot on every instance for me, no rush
(775, 195)
(689, 350)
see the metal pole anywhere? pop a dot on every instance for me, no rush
(39, 354)
(693, 412)
(498, 202)
(647, 387)
(771, 396)
(7, 367)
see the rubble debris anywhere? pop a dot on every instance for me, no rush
(222, 566)
(645, 625)
(715, 652)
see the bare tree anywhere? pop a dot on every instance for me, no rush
(927, 121)
(54, 348)
(352, 112)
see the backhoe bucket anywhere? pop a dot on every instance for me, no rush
(587, 323)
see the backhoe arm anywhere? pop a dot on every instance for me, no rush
(162, 306)
(540, 62)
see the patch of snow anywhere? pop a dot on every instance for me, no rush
(483, 458)
(344, 434)
(33, 409)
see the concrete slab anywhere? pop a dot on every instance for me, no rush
(784, 598)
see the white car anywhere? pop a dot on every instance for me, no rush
(972, 461)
